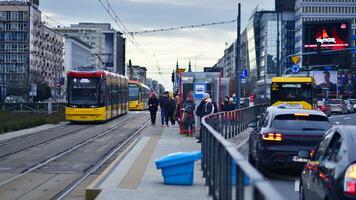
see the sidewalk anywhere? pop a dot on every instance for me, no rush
(135, 177)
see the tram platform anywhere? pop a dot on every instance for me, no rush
(135, 177)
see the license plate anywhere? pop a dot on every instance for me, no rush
(297, 159)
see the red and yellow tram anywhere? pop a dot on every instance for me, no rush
(96, 96)
(139, 94)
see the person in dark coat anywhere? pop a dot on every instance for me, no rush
(164, 105)
(153, 107)
(171, 110)
(188, 120)
(227, 105)
(206, 107)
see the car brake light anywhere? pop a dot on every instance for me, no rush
(272, 136)
(350, 180)
(301, 114)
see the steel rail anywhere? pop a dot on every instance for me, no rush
(100, 163)
(67, 151)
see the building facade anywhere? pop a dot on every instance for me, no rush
(46, 56)
(276, 28)
(77, 53)
(30, 52)
(135, 72)
(108, 50)
(323, 10)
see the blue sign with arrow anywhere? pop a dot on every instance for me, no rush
(295, 69)
(244, 74)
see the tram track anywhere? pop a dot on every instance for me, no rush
(68, 150)
(101, 162)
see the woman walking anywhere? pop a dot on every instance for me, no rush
(153, 107)
(188, 115)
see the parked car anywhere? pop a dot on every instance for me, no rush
(281, 133)
(353, 102)
(349, 106)
(337, 106)
(331, 171)
(322, 106)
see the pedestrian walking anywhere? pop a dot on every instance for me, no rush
(227, 105)
(153, 107)
(171, 110)
(188, 118)
(164, 105)
(206, 107)
(177, 101)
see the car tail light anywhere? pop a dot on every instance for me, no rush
(350, 180)
(272, 136)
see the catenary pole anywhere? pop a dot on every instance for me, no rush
(237, 58)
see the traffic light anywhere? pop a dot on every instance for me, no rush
(173, 77)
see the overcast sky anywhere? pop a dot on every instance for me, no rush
(203, 46)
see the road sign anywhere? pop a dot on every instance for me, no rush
(243, 80)
(295, 59)
(199, 90)
(295, 69)
(244, 73)
(178, 80)
(33, 90)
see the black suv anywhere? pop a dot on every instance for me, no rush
(281, 134)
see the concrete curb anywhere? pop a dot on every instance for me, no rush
(14, 134)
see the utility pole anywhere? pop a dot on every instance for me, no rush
(278, 47)
(237, 58)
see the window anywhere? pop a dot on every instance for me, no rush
(321, 149)
(332, 152)
(301, 123)
(8, 15)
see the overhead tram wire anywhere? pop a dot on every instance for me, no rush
(54, 27)
(182, 27)
(114, 16)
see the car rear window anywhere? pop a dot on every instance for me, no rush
(303, 123)
(336, 101)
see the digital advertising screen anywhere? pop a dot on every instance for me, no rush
(328, 35)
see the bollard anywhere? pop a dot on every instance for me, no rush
(49, 108)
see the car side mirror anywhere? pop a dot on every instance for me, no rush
(253, 125)
(304, 154)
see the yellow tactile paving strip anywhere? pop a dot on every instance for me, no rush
(137, 170)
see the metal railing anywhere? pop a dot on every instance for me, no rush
(33, 107)
(228, 174)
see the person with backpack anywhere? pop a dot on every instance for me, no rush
(206, 107)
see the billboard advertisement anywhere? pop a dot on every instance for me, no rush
(347, 84)
(328, 35)
(339, 84)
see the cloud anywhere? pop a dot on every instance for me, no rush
(205, 45)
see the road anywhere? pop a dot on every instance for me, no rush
(288, 183)
(47, 181)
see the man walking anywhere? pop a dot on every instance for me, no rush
(164, 105)
(153, 107)
(206, 107)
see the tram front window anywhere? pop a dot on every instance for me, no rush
(134, 92)
(83, 92)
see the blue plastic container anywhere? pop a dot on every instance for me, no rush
(178, 168)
